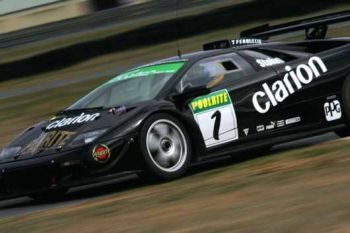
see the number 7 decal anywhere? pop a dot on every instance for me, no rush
(216, 118)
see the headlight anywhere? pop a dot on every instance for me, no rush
(9, 152)
(88, 137)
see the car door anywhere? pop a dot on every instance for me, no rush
(243, 88)
(224, 115)
(214, 113)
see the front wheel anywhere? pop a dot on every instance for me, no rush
(165, 148)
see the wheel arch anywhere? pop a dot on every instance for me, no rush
(197, 142)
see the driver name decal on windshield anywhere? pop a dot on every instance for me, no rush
(138, 85)
(83, 118)
(216, 118)
(149, 70)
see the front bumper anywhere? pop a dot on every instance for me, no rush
(59, 170)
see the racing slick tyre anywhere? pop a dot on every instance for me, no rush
(165, 148)
(49, 195)
(346, 101)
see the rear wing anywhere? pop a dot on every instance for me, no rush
(315, 28)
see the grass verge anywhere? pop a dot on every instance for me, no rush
(21, 112)
(304, 190)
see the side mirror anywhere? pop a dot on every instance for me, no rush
(190, 93)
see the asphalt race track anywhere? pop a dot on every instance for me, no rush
(22, 206)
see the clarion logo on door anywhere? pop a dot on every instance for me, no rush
(293, 80)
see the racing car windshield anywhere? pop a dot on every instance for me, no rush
(137, 85)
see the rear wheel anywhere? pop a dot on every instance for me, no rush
(165, 148)
(346, 102)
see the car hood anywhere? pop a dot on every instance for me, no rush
(61, 131)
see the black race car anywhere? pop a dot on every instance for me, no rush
(158, 119)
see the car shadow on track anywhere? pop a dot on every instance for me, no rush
(26, 205)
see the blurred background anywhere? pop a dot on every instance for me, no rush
(47, 47)
(54, 51)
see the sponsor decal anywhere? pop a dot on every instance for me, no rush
(246, 131)
(272, 125)
(269, 62)
(55, 139)
(50, 140)
(216, 117)
(332, 97)
(148, 71)
(260, 128)
(293, 120)
(211, 101)
(333, 110)
(278, 124)
(281, 123)
(31, 148)
(272, 95)
(83, 118)
(246, 41)
(101, 153)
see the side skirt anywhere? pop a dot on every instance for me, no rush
(256, 144)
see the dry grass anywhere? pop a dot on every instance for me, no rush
(21, 112)
(298, 191)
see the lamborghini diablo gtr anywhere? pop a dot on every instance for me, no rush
(158, 119)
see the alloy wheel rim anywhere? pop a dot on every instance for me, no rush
(166, 145)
